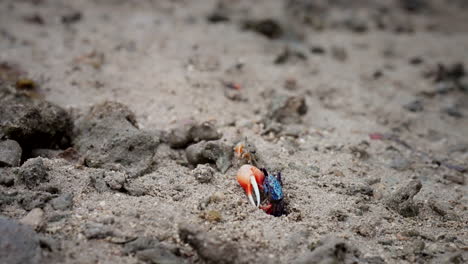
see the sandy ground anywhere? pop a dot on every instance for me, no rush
(167, 63)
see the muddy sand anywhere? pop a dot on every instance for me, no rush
(118, 122)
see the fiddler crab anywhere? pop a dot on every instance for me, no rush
(253, 179)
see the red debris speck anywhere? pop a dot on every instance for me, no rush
(376, 136)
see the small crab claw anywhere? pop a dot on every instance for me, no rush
(249, 177)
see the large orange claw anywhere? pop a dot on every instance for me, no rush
(250, 177)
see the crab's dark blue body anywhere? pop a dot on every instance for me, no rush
(273, 190)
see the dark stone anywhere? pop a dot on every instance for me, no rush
(287, 109)
(108, 137)
(31, 200)
(453, 111)
(7, 177)
(210, 152)
(217, 17)
(208, 246)
(402, 199)
(63, 202)
(71, 18)
(19, 244)
(32, 173)
(288, 55)
(10, 153)
(317, 50)
(266, 27)
(35, 124)
(360, 189)
(374, 260)
(414, 106)
(188, 132)
(414, 6)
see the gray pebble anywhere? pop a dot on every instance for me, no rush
(402, 199)
(32, 173)
(210, 152)
(7, 177)
(34, 218)
(108, 137)
(35, 124)
(63, 202)
(203, 173)
(10, 153)
(414, 106)
(115, 179)
(31, 200)
(190, 131)
(141, 243)
(287, 109)
(400, 163)
(18, 243)
(179, 137)
(453, 111)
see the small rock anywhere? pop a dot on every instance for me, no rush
(453, 111)
(34, 124)
(402, 199)
(204, 131)
(290, 55)
(18, 243)
(31, 200)
(32, 173)
(400, 163)
(189, 131)
(266, 27)
(180, 137)
(210, 152)
(209, 247)
(374, 260)
(414, 106)
(10, 153)
(34, 218)
(159, 255)
(141, 243)
(136, 188)
(455, 178)
(451, 258)
(108, 137)
(97, 231)
(63, 202)
(317, 50)
(330, 250)
(416, 247)
(203, 173)
(71, 18)
(360, 189)
(115, 179)
(287, 109)
(7, 177)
